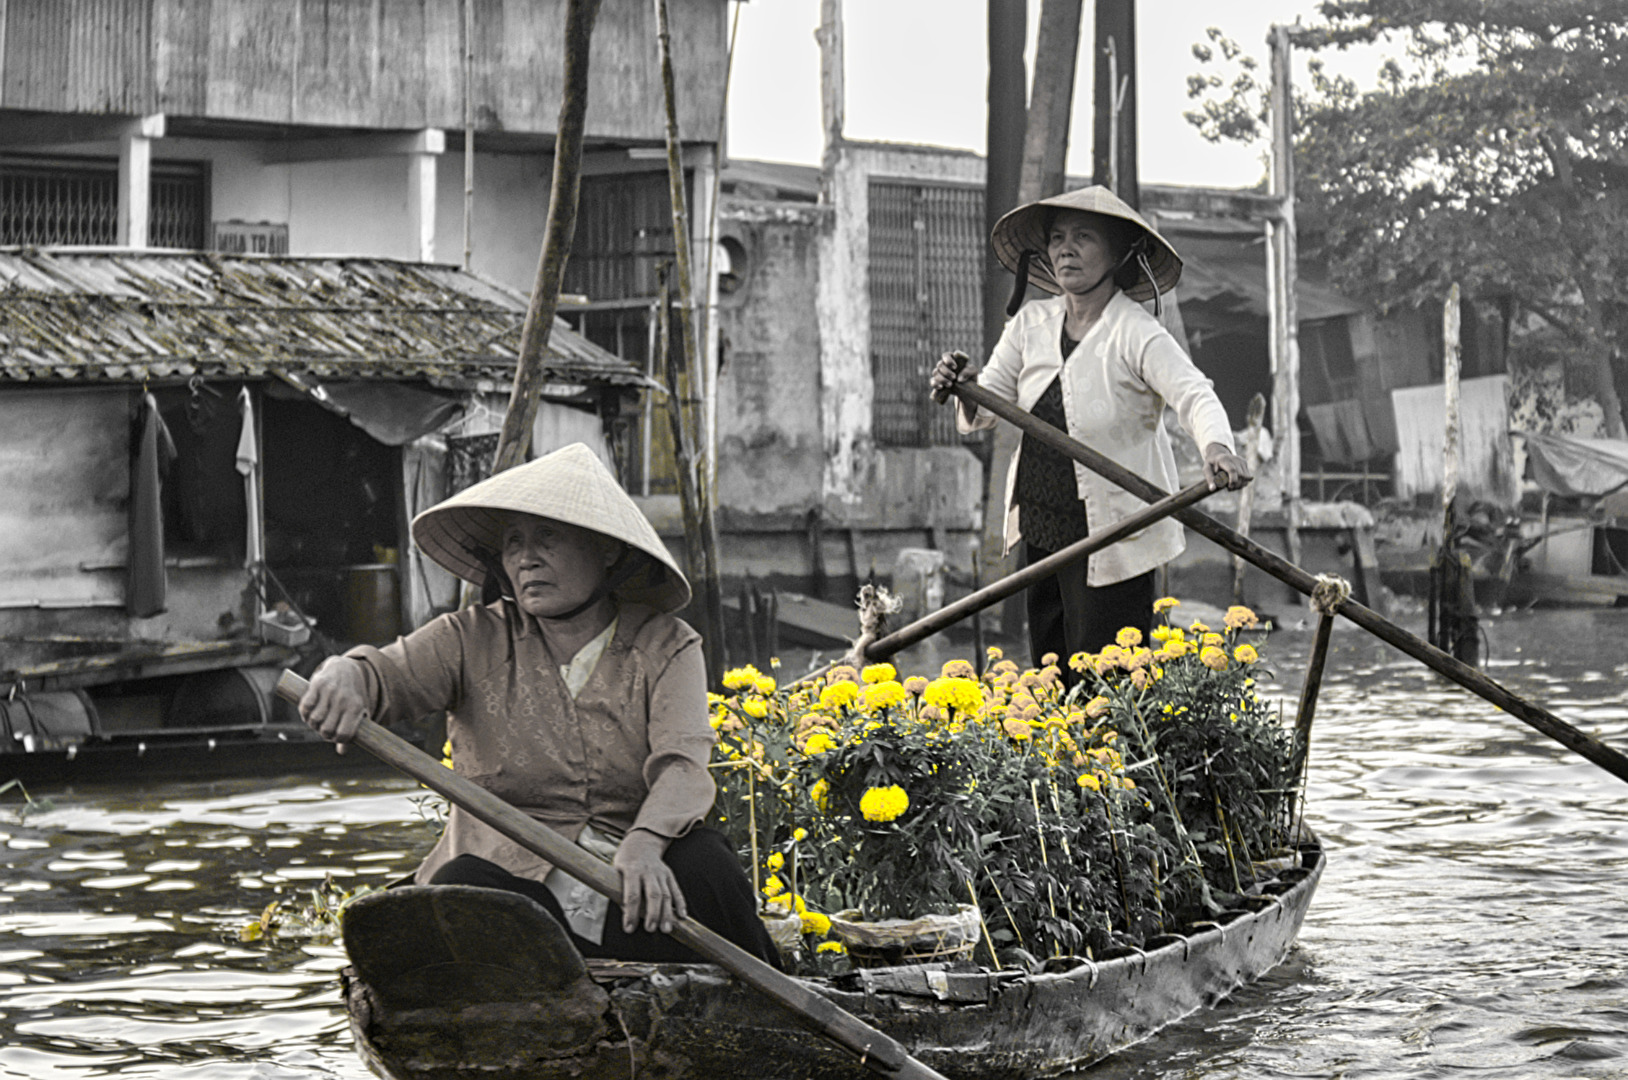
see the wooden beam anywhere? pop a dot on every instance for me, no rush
(352, 147)
(42, 130)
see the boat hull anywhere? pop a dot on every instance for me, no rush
(674, 1021)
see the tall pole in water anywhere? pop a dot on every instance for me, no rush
(1281, 275)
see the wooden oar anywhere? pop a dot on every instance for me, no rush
(1473, 680)
(874, 1050)
(933, 622)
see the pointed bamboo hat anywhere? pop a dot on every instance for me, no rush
(571, 485)
(1024, 230)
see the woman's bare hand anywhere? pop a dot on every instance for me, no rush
(336, 703)
(649, 888)
(952, 368)
(1224, 469)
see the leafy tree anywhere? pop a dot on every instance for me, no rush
(1493, 153)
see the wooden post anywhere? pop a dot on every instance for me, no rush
(515, 438)
(469, 132)
(1281, 275)
(685, 382)
(1246, 497)
(1113, 129)
(1008, 110)
(833, 92)
(1453, 624)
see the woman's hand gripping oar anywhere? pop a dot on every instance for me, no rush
(874, 1050)
(1606, 757)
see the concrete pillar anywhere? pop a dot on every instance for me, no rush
(135, 178)
(427, 146)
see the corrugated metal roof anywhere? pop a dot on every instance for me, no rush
(123, 315)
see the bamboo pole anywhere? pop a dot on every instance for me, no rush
(1535, 716)
(515, 438)
(876, 1051)
(700, 526)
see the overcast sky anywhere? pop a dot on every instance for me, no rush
(917, 72)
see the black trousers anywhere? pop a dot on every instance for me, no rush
(715, 888)
(1067, 616)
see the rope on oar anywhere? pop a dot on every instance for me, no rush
(1329, 594)
(875, 605)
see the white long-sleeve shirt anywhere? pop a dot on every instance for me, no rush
(1115, 384)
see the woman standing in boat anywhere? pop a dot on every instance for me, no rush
(1094, 363)
(576, 696)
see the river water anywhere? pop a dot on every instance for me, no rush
(1472, 921)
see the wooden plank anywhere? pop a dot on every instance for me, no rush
(181, 56)
(175, 658)
(399, 59)
(252, 69)
(334, 84)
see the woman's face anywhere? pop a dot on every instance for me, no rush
(553, 566)
(1080, 251)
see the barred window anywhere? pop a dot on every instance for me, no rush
(926, 288)
(76, 201)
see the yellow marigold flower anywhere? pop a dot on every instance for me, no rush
(958, 669)
(1004, 667)
(755, 707)
(1080, 661)
(1109, 737)
(1176, 648)
(1051, 675)
(1164, 604)
(884, 804)
(815, 923)
(773, 886)
(818, 743)
(1138, 657)
(915, 685)
(820, 793)
(994, 652)
(1018, 729)
(1097, 706)
(831, 947)
(799, 835)
(839, 695)
(1245, 654)
(775, 860)
(876, 673)
(741, 678)
(1213, 658)
(1198, 627)
(1212, 638)
(842, 673)
(1161, 633)
(932, 714)
(1139, 679)
(715, 699)
(881, 695)
(774, 662)
(1128, 637)
(1089, 781)
(1048, 659)
(1238, 617)
(446, 754)
(766, 685)
(952, 693)
(1127, 783)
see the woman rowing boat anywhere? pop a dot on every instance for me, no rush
(576, 696)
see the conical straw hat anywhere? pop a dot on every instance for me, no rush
(1024, 229)
(570, 485)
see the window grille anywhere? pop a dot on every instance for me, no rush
(76, 201)
(926, 290)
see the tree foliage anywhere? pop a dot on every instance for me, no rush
(1493, 151)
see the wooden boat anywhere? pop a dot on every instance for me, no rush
(452, 981)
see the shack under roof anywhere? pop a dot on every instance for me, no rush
(122, 315)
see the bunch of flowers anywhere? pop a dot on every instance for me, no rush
(1076, 819)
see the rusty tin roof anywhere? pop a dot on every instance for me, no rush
(117, 314)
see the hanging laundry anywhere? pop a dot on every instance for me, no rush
(248, 463)
(154, 451)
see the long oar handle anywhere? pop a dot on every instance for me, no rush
(876, 1051)
(1606, 757)
(932, 623)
